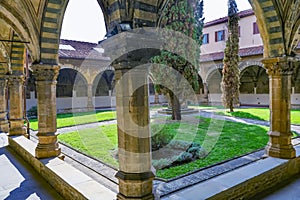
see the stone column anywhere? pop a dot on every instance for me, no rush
(156, 98)
(135, 175)
(46, 76)
(16, 105)
(205, 91)
(90, 105)
(280, 136)
(4, 126)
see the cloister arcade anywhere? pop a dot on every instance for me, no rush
(34, 27)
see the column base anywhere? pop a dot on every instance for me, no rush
(135, 186)
(284, 152)
(18, 131)
(280, 146)
(4, 126)
(47, 146)
(122, 197)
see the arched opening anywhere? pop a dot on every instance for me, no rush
(71, 83)
(201, 86)
(151, 86)
(254, 80)
(88, 27)
(104, 83)
(213, 82)
(296, 80)
(31, 87)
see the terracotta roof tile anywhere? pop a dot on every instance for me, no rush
(241, 14)
(82, 50)
(251, 51)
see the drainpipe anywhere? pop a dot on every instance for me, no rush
(24, 93)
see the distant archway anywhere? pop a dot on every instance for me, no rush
(214, 80)
(254, 79)
(71, 83)
(103, 83)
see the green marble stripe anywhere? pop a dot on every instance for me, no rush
(53, 10)
(272, 19)
(49, 30)
(145, 7)
(49, 61)
(49, 40)
(16, 65)
(58, 2)
(276, 41)
(16, 58)
(17, 52)
(113, 7)
(263, 1)
(276, 29)
(268, 9)
(17, 45)
(52, 20)
(48, 50)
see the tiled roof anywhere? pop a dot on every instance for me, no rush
(79, 50)
(241, 14)
(251, 51)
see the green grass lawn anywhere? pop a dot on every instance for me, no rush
(97, 142)
(72, 119)
(259, 114)
(236, 139)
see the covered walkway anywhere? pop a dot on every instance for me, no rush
(17, 178)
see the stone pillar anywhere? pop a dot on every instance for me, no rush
(135, 175)
(46, 76)
(4, 126)
(90, 105)
(205, 91)
(16, 105)
(156, 98)
(280, 136)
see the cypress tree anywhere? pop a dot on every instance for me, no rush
(231, 75)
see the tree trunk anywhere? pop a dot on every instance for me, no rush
(176, 108)
(231, 106)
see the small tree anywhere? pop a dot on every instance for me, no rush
(231, 75)
(184, 16)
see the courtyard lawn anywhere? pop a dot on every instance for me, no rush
(235, 139)
(259, 114)
(70, 119)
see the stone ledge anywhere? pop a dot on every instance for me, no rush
(68, 181)
(244, 182)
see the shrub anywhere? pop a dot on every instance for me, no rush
(32, 112)
(161, 138)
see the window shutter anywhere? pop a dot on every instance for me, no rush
(216, 36)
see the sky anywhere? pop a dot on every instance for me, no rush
(83, 20)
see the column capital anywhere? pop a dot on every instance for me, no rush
(45, 72)
(279, 65)
(3, 81)
(14, 79)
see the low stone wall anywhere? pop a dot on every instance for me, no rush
(80, 103)
(69, 182)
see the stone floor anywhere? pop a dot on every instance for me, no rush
(18, 180)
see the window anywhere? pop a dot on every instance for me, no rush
(239, 31)
(220, 35)
(255, 28)
(205, 39)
